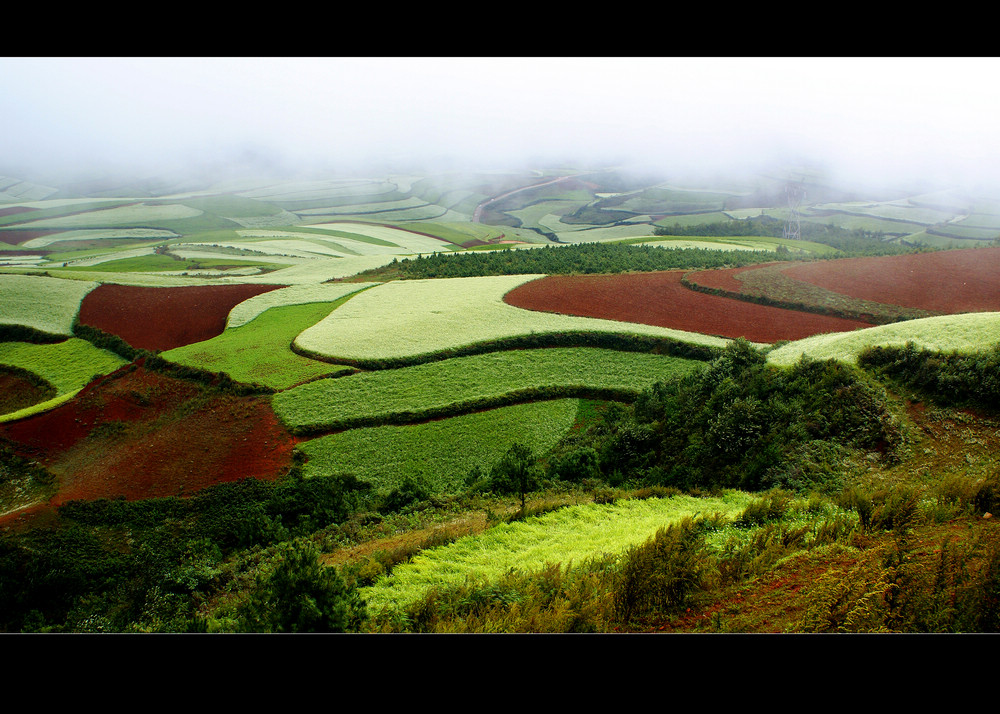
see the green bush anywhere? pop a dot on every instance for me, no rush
(659, 576)
(300, 595)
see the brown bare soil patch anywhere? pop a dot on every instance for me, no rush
(944, 282)
(660, 299)
(724, 278)
(140, 434)
(164, 318)
(14, 237)
(13, 210)
(18, 392)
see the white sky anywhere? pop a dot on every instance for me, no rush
(884, 119)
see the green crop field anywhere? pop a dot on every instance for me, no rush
(443, 452)
(68, 366)
(421, 387)
(477, 379)
(571, 535)
(45, 304)
(969, 332)
(258, 352)
(413, 318)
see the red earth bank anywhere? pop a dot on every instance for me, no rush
(951, 281)
(660, 299)
(140, 434)
(164, 318)
(12, 237)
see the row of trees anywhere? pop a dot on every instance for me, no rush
(582, 258)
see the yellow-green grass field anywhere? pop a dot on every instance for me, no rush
(440, 452)
(570, 535)
(470, 380)
(414, 318)
(43, 303)
(68, 366)
(258, 351)
(968, 332)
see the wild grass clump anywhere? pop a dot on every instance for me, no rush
(894, 588)
(772, 506)
(660, 575)
(554, 599)
(896, 508)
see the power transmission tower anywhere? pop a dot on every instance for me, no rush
(796, 193)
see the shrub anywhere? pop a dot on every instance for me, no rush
(660, 575)
(300, 595)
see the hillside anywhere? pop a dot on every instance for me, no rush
(496, 402)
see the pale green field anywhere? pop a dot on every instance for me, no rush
(69, 366)
(121, 216)
(46, 304)
(460, 380)
(570, 535)
(109, 257)
(609, 233)
(969, 332)
(411, 202)
(896, 210)
(315, 190)
(318, 271)
(99, 234)
(441, 452)
(410, 318)
(146, 279)
(249, 309)
(411, 242)
(677, 243)
(258, 351)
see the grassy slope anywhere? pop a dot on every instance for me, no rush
(968, 332)
(45, 304)
(441, 452)
(381, 394)
(68, 365)
(258, 352)
(568, 535)
(422, 317)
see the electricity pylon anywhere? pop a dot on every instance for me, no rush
(795, 193)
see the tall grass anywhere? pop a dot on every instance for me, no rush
(569, 535)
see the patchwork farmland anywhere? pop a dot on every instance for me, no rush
(496, 403)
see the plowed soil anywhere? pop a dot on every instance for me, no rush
(17, 392)
(723, 279)
(164, 318)
(140, 434)
(12, 237)
(12, 210)
(660, 299)
(947, 282)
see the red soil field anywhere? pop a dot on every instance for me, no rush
(660, 299)
(140, 434)
(12, 237)
(12, 210)
(164, 318)
(724, 278)
(951, 281)
(16, 392)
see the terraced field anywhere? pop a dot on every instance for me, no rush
(419, 319)
(421, 389)
(467, 383)
(42, 303)
(660, 299)
(440, 453)
(971, 332)
(163, 318)
(69, 366)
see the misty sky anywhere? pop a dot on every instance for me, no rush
(873, 119)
